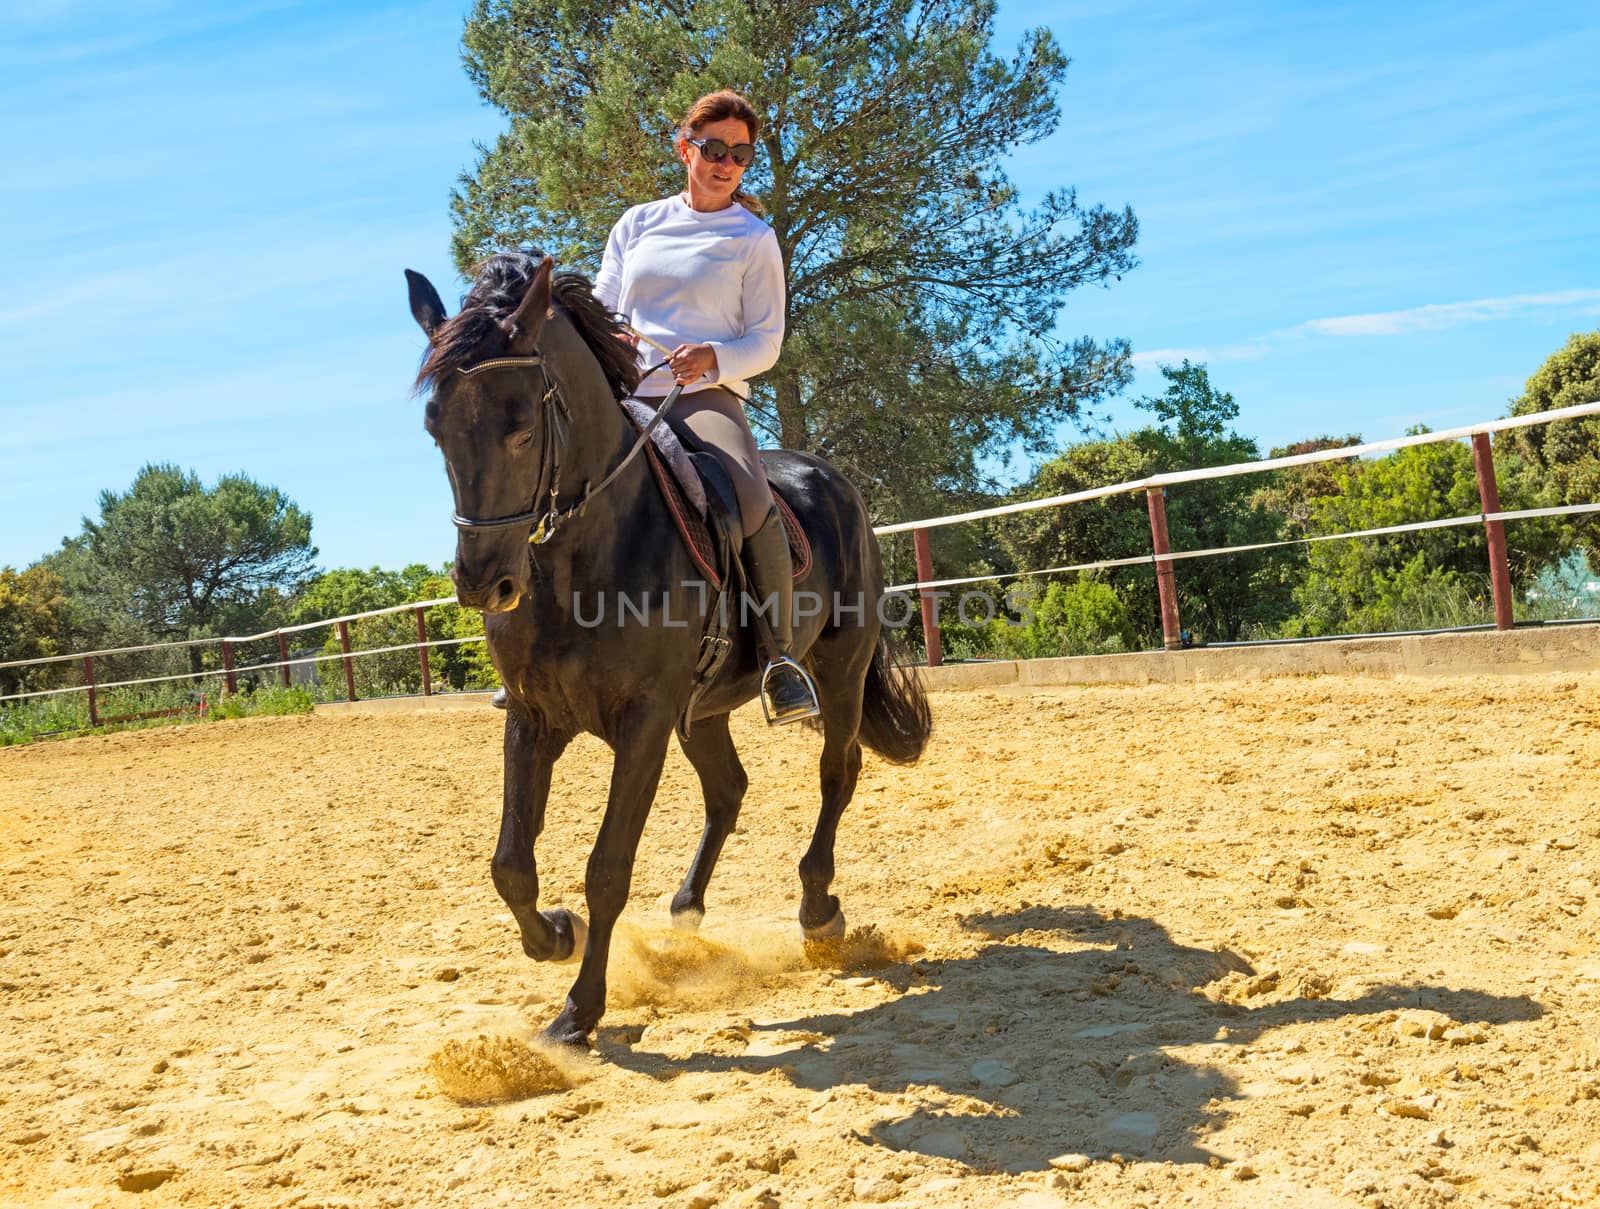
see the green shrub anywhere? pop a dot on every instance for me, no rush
(68, 713)
(1083, 617)
(1411, 596)
(115, 708)
(1435, 599)
(396, 673)
(23, 721)
(268, 700)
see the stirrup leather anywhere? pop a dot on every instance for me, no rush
(783, 661)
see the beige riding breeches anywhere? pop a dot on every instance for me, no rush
(716, 418)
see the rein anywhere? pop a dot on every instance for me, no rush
(557, 420)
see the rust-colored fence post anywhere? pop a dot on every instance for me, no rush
(349, 664)
(228, 675)
(422, 654)
(1489, 496)
(88, 678)
(283, 659)
(930, 601)
(1166, 583)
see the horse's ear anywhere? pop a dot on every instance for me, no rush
(527, 321)
(426, 308)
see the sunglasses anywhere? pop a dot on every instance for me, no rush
(715, 151)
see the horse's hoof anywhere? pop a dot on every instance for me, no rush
(688, 919)
(561, 1032)
(576, 927)
(832, 930)
(580, 940)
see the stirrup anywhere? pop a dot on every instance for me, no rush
(810, 710)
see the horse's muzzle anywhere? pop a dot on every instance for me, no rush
(499, 596)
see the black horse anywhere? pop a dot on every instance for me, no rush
(525, 385)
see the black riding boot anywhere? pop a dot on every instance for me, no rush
(787, 694)
(499, 698)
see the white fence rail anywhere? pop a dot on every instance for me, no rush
(1344, 453)
(1161, 558)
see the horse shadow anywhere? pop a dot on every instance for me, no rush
(1022, 1052)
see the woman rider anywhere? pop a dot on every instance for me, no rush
(699, 273)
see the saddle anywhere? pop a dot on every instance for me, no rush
(705, 509)
(700, 496)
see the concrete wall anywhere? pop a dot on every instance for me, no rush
(1542, 649)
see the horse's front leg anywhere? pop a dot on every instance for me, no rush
(531, 751)
(641, 751)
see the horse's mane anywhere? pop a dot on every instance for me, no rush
(474, 333)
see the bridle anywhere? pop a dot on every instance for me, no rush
(557, 417)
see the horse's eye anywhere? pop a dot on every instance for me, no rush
(520, 440)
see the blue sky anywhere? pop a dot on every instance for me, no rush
(1360, 216)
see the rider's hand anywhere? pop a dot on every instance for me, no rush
(691, 362)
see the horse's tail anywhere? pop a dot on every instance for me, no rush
(895, 719)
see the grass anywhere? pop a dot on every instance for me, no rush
(68, 714)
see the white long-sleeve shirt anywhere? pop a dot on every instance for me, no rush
(686, 276)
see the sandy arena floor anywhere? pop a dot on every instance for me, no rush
(1299, 942)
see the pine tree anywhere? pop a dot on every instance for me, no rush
(922, 295)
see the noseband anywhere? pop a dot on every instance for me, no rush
(557, 421)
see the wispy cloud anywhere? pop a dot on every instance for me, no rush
(1228, 352)
(1433, 317)
(1438, 316)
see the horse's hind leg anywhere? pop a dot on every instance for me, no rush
(723, 781)
(530, 754)
(839, 686)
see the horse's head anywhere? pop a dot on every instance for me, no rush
(487, 415)
(530, 353)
